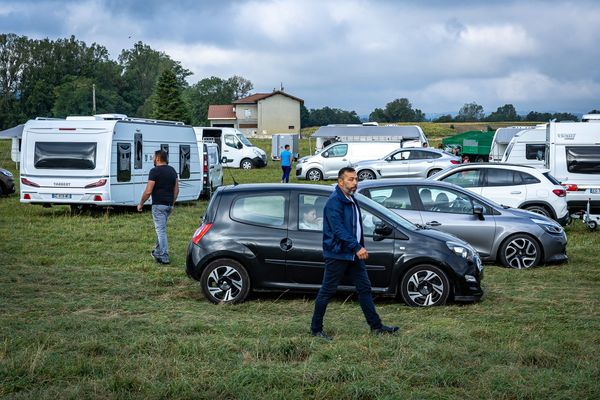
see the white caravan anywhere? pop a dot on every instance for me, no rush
(590, 118)
(103, 160)
(527, 147)
(234, 146)
(573, 158)
(502, 138)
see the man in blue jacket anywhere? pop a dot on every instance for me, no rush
(344, 252)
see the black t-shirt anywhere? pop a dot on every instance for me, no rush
(164, 177)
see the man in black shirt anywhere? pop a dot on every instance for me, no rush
(163, 186)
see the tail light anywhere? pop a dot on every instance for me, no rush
(97, 198)
(200, 232)
(99, 183)
(560, 192)
(27, 182)
(27, 196)
(570, 187)
(454, 162)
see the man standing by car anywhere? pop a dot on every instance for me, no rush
(163, 186)
(286, 164)
(344, 252)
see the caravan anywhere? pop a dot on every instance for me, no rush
(573, 157)
(501, 139)
(103, 160)
(527, 147)
(233, 146)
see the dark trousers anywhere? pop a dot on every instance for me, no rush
(285, 173)
(334, 271)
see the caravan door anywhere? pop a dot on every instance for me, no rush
(140, 168)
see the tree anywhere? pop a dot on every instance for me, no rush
(326, 115)
(470, 112)
(399, 110)
(378, 115)
(534, 116)
(564, 116)
(444, 118)
(505, 113)
(169, 104)
(594, 111)
(240, 87)
(304, 116)
(13, 54)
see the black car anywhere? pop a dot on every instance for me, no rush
(266, 237)
(7, 182)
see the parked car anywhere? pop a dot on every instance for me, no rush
(516, 238)
(512, 185)
(7, 182)
(406, 163)
(266, 237)
(212, 169)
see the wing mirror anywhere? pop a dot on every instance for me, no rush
(224, 160)
(478, 210)
(325, 154)
(388, 159)
(239, 145)
(381, 231)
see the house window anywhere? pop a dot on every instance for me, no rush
(247, 113)
(290, 126)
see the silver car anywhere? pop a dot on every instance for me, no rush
(418, 162)
(516, 238)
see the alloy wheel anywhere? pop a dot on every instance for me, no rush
(425, 288)
(521, 253)
(224, 283)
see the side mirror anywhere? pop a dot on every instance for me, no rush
(239, 145)
(478, 210)
(388, 159)
(381, 231)
(325, 154)
(224, 160)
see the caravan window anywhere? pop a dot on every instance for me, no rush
(165, 147)
(184, 162)
(65, 155)
(139, 151)
(535, 151)
(123, 162)
(583, 159)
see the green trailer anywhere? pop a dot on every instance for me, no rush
(474, 144)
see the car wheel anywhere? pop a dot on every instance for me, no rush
(538, 210)
(246, 163)
(520, 251)
(314, 175)
(592, 225)
(425, 286)
(225, 281)
(366, 175)
(433, 172)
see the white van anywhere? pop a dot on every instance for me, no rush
(573, 157)
(502, 138)
(334, 157)
(233, 145)
(527, 147)
(212, 169)
(103, 160)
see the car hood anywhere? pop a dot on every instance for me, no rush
(442, 236)
(528, 214)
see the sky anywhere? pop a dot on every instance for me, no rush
(355, 54)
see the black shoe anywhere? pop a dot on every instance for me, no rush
(154, 256)
(385, 330)
(322, 335)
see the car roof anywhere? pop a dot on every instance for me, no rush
(270, 187)
(495, 165)
(403, 182)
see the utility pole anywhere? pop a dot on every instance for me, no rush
(93, 99)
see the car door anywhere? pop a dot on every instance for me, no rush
(335, 158)
(217, 167)
(504, 187)
(451, 211)
(419, 163)
(471, 179)
(231, 150)
(396, 165)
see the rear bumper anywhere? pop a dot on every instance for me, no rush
(577, 201)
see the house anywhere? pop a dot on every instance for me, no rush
(259, 114)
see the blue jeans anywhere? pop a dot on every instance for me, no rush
(160, 216)
(334, 270)
(285, 173)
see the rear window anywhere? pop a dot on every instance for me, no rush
(65, 155)
(551, 178)
(583, 159)
(267, 210)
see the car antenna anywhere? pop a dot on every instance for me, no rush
(230, 172)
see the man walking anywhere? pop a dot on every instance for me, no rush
(286, 164)
(163, 186)
(344, 252)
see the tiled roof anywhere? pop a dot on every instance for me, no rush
(253, 99)
(221, 112)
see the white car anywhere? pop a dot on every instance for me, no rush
(511, 185)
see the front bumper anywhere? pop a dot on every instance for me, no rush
(259, 162)
(554, 247)
(9, 186)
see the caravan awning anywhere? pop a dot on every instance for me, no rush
(405, 132)
(14, 132)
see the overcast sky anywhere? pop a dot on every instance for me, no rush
(352, 54)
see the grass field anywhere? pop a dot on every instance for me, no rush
(86, 313)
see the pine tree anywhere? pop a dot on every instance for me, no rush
(169, 104)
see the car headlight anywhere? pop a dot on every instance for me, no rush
(466, 252)
(548, 226)
(5, 172)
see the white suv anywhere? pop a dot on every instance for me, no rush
(511, 185)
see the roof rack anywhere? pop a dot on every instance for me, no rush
(154, 121)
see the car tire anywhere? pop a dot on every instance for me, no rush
(425, 286)
(538, 210)
(366, 175)
(246, 163)
(225, 281)
(314, 175)
(433, 172)
(520, 251)
(2, 190)
(592, 225)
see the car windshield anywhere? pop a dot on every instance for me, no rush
(390, 215)
(244, 139)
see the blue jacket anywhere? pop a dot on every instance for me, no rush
(339, 228)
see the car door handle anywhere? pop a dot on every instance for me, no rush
(344, 159)
(433, 223)
(285, 244)
(515, 192)
(226, 151)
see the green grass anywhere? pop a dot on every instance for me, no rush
(86, 313)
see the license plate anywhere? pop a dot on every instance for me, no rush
(595, 191)
(61, 196)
